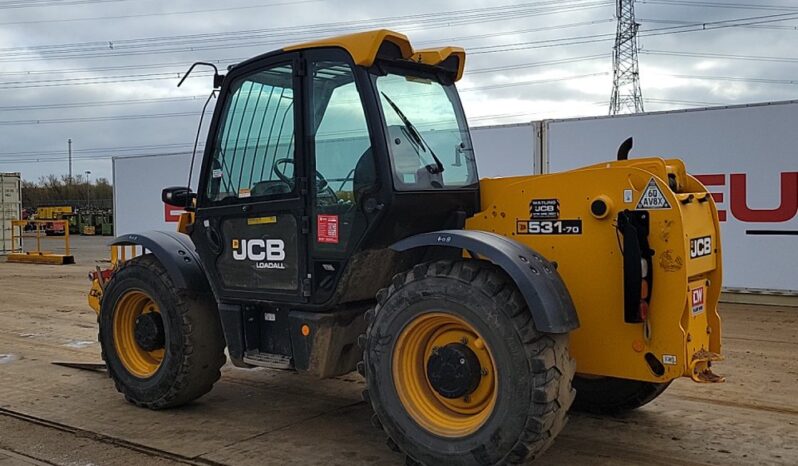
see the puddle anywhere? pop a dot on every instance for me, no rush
(9, 358)
(79, 344)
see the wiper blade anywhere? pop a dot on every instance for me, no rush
(416, 136)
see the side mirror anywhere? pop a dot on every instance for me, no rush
(179, 196)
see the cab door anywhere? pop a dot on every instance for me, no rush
(250, 219)
(341, 156)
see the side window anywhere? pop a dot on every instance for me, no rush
(254, 150)
(344, 160)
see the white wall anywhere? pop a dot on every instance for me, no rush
(758, 142)
(506, 150)
(138, 182)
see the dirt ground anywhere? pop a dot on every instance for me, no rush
(55, 415)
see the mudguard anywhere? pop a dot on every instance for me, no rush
(543, 290)
(176, 252)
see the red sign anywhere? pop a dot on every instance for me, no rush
(171, 213)
(698, 300)
(327, 229)
(738, 188)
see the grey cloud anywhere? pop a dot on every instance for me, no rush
(512, 104)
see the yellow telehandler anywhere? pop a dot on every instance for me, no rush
(339, 224)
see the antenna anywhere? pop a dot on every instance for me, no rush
(626, 94)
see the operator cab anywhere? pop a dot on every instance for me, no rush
(316, 155)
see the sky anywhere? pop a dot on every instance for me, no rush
(104, 72)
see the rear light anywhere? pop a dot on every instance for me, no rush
(637, 264)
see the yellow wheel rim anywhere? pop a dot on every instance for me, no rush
(138, 361)
(445, 417)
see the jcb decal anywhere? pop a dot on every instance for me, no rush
(267, 254)
(700, 247)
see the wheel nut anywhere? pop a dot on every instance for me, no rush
(484, 372)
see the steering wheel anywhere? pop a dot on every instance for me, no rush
(322, 186)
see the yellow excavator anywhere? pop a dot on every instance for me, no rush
(340, 224)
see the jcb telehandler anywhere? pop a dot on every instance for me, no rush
(339, 224)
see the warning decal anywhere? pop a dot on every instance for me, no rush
(327, 229)
(652, 197)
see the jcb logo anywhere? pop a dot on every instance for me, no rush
(700, 247)
(271, 250)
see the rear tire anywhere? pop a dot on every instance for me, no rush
(524, 392)
(173, 365)
(611, 395)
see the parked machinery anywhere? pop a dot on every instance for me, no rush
(340, 224)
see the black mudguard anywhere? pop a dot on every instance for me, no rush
(541, 286)
(176, 252)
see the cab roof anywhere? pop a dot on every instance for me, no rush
(364, 48)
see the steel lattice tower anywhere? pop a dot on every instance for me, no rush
(626, 94)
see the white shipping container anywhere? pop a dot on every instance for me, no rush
(507, 150)
(10, 208)
(746, 155)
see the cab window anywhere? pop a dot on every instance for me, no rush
(427, 133)
(253, 153)
(343, 157)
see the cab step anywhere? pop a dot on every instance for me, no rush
(269, 360)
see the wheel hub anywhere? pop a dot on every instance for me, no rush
(454, 370)
(149, 332)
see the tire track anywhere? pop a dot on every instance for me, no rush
(102, 438)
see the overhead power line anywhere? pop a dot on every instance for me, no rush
(724, 5)
(177, 75)
(50, 3)
(47, 121)
(225, 60)
(260, 37)
(100, 103)
(593, 38)
(104, 150)
(734, 79)
(165, 13)
(775, 27)
(723, 56)
(691, 103)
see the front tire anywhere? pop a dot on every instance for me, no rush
(456, 371)
(163, 347)
(611, 395)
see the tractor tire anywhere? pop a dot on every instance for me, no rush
(162, 346)
(456, 372)
(611, 395)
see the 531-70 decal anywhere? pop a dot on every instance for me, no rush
(549, 227)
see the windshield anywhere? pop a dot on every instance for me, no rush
(427, 134)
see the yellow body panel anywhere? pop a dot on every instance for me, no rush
(591, 263)
(363, 47)
(52, 213)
